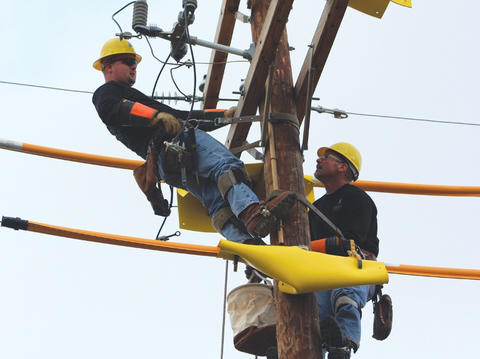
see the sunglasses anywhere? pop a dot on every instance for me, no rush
(129, 61)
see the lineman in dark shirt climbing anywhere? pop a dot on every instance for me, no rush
(219, 179)
(355, 214)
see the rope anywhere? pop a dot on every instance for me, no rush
(224, 310)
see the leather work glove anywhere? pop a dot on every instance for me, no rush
(230, 112)
(170, 124)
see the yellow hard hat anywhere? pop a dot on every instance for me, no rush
(348, 151)
(115, 47)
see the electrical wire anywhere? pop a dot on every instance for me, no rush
(153, 54)
(170, 205)
(187, 34)
(44, 87)
(348, 113)
(173, 79)
(113, 16)
(159, 73)
(413, 119)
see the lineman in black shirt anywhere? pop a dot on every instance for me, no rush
(205, 167)
(355, 214)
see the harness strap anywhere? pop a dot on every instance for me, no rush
(344, 300)
(315, 210)
(230, 178)
(221, 217)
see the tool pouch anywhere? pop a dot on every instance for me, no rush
(176, 157)
(383, 315)
(147, 179)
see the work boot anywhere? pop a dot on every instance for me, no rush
(263, 218)
(337, 344)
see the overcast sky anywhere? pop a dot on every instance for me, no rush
(63, 298)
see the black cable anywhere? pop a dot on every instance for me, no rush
(187, 33)
(173, 79)
(166, 61)
(113, 16)
(153, 54)
(169, 207)
(159, 73)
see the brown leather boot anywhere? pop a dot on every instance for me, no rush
(262, 218)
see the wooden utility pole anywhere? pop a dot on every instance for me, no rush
(296, 315)
(298, 334)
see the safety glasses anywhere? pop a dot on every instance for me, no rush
(129, 61)
(324, 157)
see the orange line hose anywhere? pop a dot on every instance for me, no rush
(81, 157)
(135, 242)
(422, 189)
(210, 251)
(457, 273)
(374, 186)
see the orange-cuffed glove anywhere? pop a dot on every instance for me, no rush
(334, 245)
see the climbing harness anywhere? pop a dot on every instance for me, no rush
(315, 210)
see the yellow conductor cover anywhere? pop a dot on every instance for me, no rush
(302, 271)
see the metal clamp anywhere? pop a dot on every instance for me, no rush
(335, 112)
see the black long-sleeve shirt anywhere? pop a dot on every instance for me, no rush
(353, 211)
(108, 103)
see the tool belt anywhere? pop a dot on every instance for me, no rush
(147, 179)
(176, 157)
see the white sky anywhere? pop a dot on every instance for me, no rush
(66, 298)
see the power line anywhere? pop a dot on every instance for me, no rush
(44, 87)
(318, 109)
(340, 114)
(413, 119)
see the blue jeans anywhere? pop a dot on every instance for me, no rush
(213, 160)
(347, 316)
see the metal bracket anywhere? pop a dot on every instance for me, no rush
(153, 31)
(242, 17)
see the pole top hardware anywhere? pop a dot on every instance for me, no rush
(340, 114)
